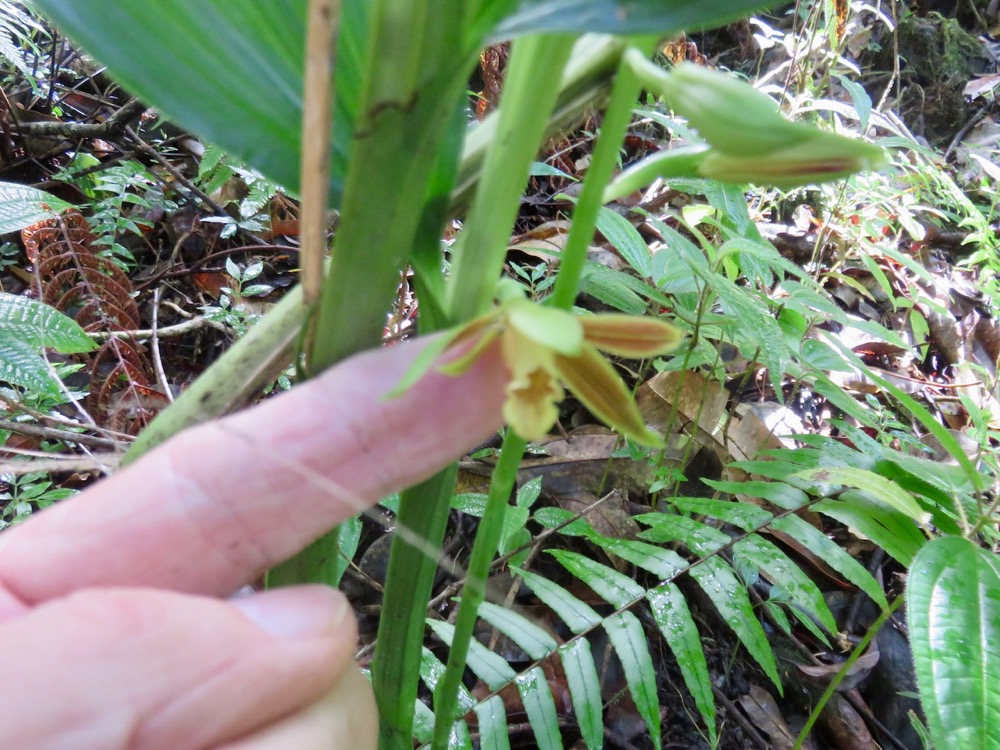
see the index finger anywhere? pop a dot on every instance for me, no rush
(219, 504)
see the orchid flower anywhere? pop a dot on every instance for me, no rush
(548, 350)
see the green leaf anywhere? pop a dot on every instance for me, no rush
(528, 493)
(535, 641)
(742, 515)
(953, 609)
(629, 641)
(832, 554)
(611, 288)
(661, 17)
(701, 539)
(663, 563)
(493, 733)
(615, 588)
(893, 531)
(536, 695)
(491, 668)
(21, 365)
(879, 488)
(585, 690)
(727, 593)
(577, 615)
(783, 495)
(21, 206)
(230, 72)
(673, 618)
(39, 325)
(787, 575)
(625, 238)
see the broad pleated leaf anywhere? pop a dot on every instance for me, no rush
(673, 618)
(21, 206)
(230, 72)
(953, 608)
(623, 16)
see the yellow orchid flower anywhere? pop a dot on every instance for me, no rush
(546, 348)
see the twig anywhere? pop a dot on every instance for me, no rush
(103, 462)
(178, 329)
(964, 131)
(51, 433)
(161, 376)
(115, 125)
(315, 164)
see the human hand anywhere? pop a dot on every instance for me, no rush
(112, 605)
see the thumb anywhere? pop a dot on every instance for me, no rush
(113, 669)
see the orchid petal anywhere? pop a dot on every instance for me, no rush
(531, 407)
(523, 355)
(630, 335)
(550, 327)
(594, 381)
(461, 364)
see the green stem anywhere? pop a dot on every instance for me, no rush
(602, 165)
(483, 551)
(395, 668)
(530, 91)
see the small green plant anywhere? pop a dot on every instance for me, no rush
(22, 495)
(231, 310)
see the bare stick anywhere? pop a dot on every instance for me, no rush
(315, 170)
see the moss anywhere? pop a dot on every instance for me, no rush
(938, 49)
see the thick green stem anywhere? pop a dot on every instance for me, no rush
(395, 669)
(483, 551)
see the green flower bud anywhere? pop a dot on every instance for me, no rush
(822, 157)
(732, 116)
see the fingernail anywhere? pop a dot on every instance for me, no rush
(297, 612)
